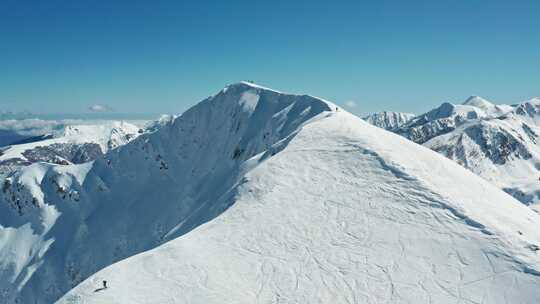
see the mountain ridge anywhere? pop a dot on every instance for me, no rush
(343, 205)
(497, 142)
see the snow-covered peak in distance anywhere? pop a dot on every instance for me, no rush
(448, 117)
(535, 100)
(154, 125)
(448, 110)
(529, 108)
(479, 102)
(501, 144)
(67, 143)
(491, 110)
(388, 120)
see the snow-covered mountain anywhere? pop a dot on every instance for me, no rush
(256, 196)
(388, 120)
(160, 185)
(497, 142)
(448, 117)
(64, 143)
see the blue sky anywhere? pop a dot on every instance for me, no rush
(164, 56)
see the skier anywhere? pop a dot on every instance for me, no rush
(104, 284)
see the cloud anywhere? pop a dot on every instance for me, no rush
(350, 104)
(30, 127)
(99, 108)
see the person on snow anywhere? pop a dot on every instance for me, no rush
(104, 284)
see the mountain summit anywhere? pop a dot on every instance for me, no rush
(477, 101)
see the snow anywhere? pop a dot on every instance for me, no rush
(491, 109)
(291, 201)
(389, 120)
(68, 144)
(504, 149)
(344, 213)
(256, 86)
(479, 102)
(100, 132)
(249, 101)
(499, 142)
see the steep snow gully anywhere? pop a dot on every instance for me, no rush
(255, 196)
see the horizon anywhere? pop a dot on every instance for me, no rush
(116, 115)
(130, 57)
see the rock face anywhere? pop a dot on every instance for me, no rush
(64, 154)
(388, 120)
(497, 142)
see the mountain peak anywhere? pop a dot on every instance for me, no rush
(388, 120)
(534, 100)
(477, 101)
(249, 95)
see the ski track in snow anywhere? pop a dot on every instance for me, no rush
(342, 215)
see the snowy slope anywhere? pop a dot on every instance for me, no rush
(344, 213)
(498, 142)
(341, 212)
(63, 223)
(388, 120)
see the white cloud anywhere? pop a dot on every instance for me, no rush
(99, 108)
(350, 103)
(30, 127)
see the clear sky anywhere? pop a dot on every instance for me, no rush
(164, 56)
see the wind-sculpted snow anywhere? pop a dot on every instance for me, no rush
(345, 213)
(174, 177)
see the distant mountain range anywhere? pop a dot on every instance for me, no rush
(498, 142)
(31, 141)
(388, 120)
